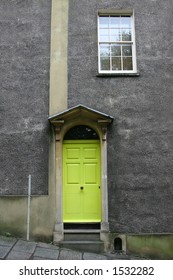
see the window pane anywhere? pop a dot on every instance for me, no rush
(115, 22)
(126, 50)
(125, 22)
(127, 63)
(104, 50)
(105, 63)
(126, 34)
(104, 35)
(81, 132)
(115, 42)
(104, 22)
(116, 63)
(115, 50)
(115, 35)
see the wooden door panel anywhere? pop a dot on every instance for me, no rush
(73, 153)
(73, 174)
(90, 174)
(92, 206)
(90, 153)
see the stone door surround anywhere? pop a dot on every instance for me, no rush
(62, 122)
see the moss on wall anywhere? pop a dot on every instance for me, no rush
(13, 217)
(153, 246)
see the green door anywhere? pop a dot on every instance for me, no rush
(81, 181)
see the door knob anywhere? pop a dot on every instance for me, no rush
(81, 188)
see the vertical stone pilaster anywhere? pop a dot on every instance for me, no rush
(58, 60)
(58, 96)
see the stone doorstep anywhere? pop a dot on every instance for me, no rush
(81, 236)
(88, 246)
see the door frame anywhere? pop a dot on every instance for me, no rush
(62, 122)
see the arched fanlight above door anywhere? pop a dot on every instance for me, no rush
(81, 132)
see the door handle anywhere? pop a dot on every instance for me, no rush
(81, 188)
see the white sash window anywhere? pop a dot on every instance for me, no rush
(116, 43)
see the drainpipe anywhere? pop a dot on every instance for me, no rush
(28, 208)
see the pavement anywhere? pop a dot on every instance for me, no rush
(18, 249)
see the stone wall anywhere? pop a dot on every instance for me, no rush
(140, 140)
(24, 86)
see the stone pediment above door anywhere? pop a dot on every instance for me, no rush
(78, 115)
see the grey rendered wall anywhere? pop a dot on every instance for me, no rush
(24, 90)
(140, 140)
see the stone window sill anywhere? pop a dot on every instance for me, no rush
(117, 75)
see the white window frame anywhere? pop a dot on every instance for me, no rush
(116, 12)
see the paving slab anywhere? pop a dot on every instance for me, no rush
(45, 253)
(4, 250)
(19, 249)
(70, 255)
(40, 258)
(25, 246)
(117, 256)
(47, 246)
(7, 241)
(15, 255)
(93, 256)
